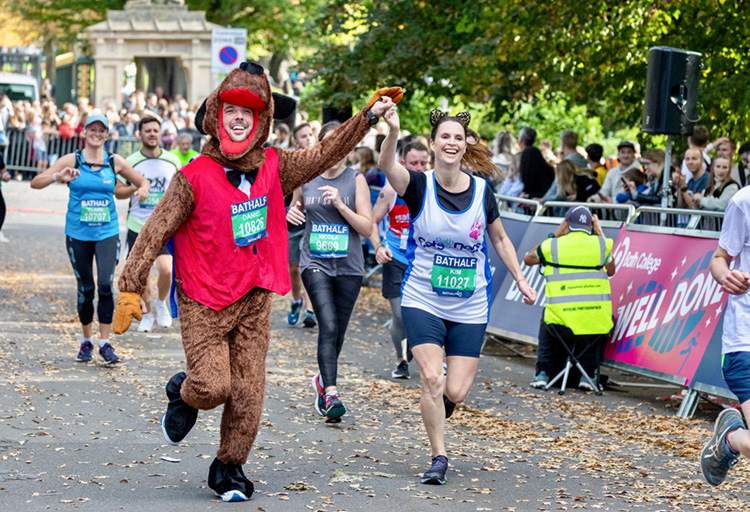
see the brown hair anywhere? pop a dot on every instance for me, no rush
(656, 155)
(700, 136)
(635, 176)
(366, 158)
(328, 127)
(569, 139)
(477, 157)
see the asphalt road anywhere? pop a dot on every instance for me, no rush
(86, 436)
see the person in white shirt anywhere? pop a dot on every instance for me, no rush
(613, 180)
(731, 439)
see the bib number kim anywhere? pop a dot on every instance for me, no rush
(249, 221)
(95, 211)
(329, 240)
(454, 276)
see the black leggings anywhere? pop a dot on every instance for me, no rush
(81, 254)
(333, 301)
(2, 209)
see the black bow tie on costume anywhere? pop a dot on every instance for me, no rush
(235, 177)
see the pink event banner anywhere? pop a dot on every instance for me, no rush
(665, 302)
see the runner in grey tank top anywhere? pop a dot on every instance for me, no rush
(330, 243)
(337, 210)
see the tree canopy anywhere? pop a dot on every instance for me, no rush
(504, 53)
(498, 53)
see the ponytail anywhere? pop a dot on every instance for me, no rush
(478, 158)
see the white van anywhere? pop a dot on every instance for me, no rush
(19, 87)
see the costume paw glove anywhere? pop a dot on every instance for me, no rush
(128, 307)
(395, 93)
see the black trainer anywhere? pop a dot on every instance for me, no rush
(450, 406)
(436, 474)
(180, 417)
(229, 481)
(401, 371)
(717, 456)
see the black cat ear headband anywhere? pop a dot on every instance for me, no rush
(463, 117)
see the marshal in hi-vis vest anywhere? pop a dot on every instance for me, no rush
(577, 287)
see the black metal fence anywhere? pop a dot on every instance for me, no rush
(668, 219)
(27, 153)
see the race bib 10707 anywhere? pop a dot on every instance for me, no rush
(95, 211)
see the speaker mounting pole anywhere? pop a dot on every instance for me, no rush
(666, 175)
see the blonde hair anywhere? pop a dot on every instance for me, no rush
(566, 172)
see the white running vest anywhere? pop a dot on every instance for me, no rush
(159, 172)
(449, 274)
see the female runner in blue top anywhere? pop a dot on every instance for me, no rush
(91, 226)
(445, 294)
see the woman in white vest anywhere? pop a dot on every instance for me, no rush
(446, 291)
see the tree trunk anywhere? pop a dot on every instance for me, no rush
(49, 55)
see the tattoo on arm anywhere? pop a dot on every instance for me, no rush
(381, 195)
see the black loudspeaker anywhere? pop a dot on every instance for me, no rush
(671, 91)
(336, 114)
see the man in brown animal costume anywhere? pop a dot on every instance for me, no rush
(226, 212)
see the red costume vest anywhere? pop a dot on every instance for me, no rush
(231, 244)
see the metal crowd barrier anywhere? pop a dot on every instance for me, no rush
(509, 205)
(645, 218)
(677, 221)
(609, 214)
(28, 154)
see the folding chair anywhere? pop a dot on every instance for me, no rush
(573, 360)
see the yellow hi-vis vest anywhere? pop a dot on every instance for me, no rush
(577, 288)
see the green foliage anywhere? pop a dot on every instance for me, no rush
(62, 20)
(506, 53)
(273, 26)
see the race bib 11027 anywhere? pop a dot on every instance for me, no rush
(454, 276)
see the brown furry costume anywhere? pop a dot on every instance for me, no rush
(226, 349)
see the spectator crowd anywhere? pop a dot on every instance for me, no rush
(704, 177)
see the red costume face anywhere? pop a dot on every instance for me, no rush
(238, 115)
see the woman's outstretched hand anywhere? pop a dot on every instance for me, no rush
(391, 117)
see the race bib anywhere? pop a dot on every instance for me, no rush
(454, 276)
(249, 221)
(95, 211)
(329, 240)
(152, 199)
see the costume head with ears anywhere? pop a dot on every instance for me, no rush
(246, 86)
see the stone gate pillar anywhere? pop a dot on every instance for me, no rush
(146, 28)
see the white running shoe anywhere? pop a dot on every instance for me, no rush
(147, 322)
(163, 316)
(3, 238)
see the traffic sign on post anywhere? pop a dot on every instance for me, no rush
(228, 49)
